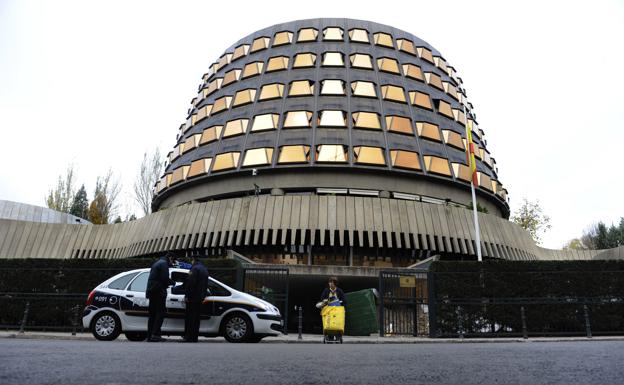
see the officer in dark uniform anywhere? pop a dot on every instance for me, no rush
(156, 292)
(195, 289)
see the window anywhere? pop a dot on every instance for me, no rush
(175, 153)
(451, 90)
(434, 80)
(224, 60)
(459, 116)
(294, 154)
(277, 63)
(332, 87)
(428, 131)
(388, 65)
(420, 99)
(179, 174)
(357, 35)
(190, 143)
(240, 51)
(369, 155)
(360, 60)
(406, 46)
(243, 97)
(296, 119)
(440, 63)
(259, 44)
(304, 60)
(213, 86)
(364, 89)
(437, 165)
(221, 104)
(281, 38)
(334, 153)
(332, 118)
(405, 159)
(484, 181)
(301, 88)
(199, 167)
(252, 69)
(333, 34)
(265, 122)
(413, 71)
(333, 59)
(204, 112)
(393, 93)
(231, 77)
(369, 120)
(271, 91)
(235, 127)
(454, 139)
(226, 161)
(307, 34)
(210, 134)
(121, 282)
(140, 283)
(461, 171)
(399, 124)
(444, 108)
(425, 54)
(485, 155)
(383, 39)
(258, 156)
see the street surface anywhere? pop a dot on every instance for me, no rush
(32, 361)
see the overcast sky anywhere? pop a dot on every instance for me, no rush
(98, 83)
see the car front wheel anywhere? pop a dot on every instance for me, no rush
(106, 326)
(237, 328)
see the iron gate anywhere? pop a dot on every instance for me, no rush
(403, 306)
(269, 284)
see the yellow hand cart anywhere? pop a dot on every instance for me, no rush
(333, 324)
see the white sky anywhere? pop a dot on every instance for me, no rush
(98, 83)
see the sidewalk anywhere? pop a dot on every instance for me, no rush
(318, 339)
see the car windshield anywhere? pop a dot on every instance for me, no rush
(121, 282)
(140, 282)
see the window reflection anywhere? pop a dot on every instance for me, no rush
(301, 88)
(271, 91)
(333, 59)
(199, 167)
(277, 63)
(240, 51)
(428, 131)
(221, 104)
(332, 118)
(405, 159)
(383, 39)
(296, 119)
(258, 156)
(406, 46)
(393, 93)
(307, 34)
(425, 54)
(252, 69)
(210, 134)
(364, 89)
(265, 122)
(332, 87)
(333, 34)
(259, 44)
(368, 120)
(281, 38)
(304, 60)
(437, 165)
(360, 60)
(231, 77)
(413, 71)
(235, 127)
(243, 97)
(388, 65)
(226, 161)
(358, 35)
(454, 139)
(399, 124)
(434, 80)
(334, 153)
(294, 154)
(369, 155)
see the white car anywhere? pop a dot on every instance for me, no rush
(119, 305)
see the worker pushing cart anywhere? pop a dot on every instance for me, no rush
(333, 312)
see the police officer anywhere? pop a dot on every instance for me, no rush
(156, 292)
(195, 289)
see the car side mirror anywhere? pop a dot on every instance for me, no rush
(208, 292)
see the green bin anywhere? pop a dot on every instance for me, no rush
(361, 313)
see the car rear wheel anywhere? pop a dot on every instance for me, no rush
(135, 336)
(237, 328)
(106, 326)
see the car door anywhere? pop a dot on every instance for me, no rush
(134, 305)
(174, 319)
(212, 308)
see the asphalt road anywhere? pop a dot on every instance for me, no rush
(123, 362)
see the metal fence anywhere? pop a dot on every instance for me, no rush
(269, 284)
(403, 303)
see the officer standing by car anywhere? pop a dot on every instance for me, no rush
(156, 292)
(195, 289)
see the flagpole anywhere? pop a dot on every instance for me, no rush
(471, 164)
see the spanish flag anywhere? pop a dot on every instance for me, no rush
(470, 155)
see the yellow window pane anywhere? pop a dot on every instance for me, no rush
(258, 156)
(484, 181)
(360, 60)
(369, 120)
(277, 63)
(388, 65)
(440, 63)
(235, 127)
(399, 124)
(383, 39)
(369, 155)
(240, 51)
(445, 109)
(252, 69)
(434, 80)
(179, 174)
(406, 46)
(210, 134)
(190, 143)
(358, 35)
(331, 153)
(168, 179)
(420, 99)
(297, 119)
(204, 112)
(332, 87)
(271, 91)
(231, 77)
(226, 161)
(365, 89)
(265, 122)
(425, 54)
(459, 116)
(393, 93)
(307, 34)
(294, 154)
(221, 104)
(333, 59)
(454, 139)
(281, 38)
(413, 71)
(451, 90)
(437, 165)
(243, 97)
(332, 118)
(304, 60)
(301, 88)
(333, 34)
(199, 167)
(213, 86)
(224, 60)
(405, 159)
(174, 154)
(461, 171)
(259, 44)
(428, 131)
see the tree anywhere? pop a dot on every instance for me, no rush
(96, 209)
(148, 175)
(80, 204)
(531, 217)
(61, 197)
(104, 206)
(574, 244)
(599, 236)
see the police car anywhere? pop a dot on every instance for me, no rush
(118, 305)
